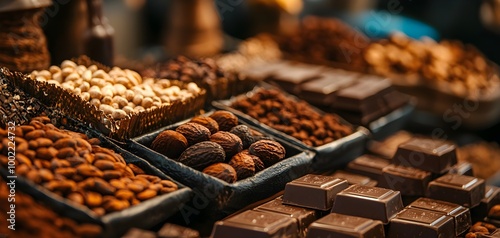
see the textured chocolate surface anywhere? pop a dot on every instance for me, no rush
(255, 224)
(339, 225)
(313, 191)
(303, 216)
(461, 189)
(368, 165)
(369, 202)
(461, 215)
(409, 181)
(414, 222)
(435, 156)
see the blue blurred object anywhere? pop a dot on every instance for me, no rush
(380, 24)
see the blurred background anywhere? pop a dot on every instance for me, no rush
(140, 25)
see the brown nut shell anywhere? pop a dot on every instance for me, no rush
(244, 164)
(225, 119)
(207, 122)
(222, 171)
(243, 132)
(230, 142)
(203, 154)
(170, 143)
(270, 152)
(194, 132)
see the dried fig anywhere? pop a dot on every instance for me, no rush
(222, 171)
(170, 143)
(230, 142)
(203, 154)
(270, 152)
(194, 132)
(225, 119)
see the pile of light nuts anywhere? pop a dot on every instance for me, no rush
(118, 92)
(450, 65)
(77, 168)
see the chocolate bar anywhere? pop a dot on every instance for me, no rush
(388, 147)
(322, 91)
(414, 222)
(369, 202)
(339, 225)
(170, 230)
(461, 215)
(435, 156)
(491, 198)
(303, 216)
(368, 165)
(313, 191)
(354, 178)
(460, 189)
(291, 75)
(409, 181)
(364, 97)
(255, 224)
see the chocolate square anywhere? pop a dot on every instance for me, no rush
(460, 189)
(461, 215)
(369, 202)
(303, 216)
(313, 191)
(255, 224)
(435, 156)
(339, 225)
(414, 222)
(409, 181)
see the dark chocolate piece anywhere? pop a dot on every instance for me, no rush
(322, 91)
(462, 168)
(170, 230)
(303, 216)
(414, 222)
(369, 202)
(291, 75)
(339, 225)
(461, 215)
(460, 189)
(354, 178)
(491, 198)
(365, 96)
(435, 156)
(368, 165)
(313, 191)
(256, 224)
(409, 181)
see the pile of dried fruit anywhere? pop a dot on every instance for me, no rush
(77, 168)
(220, 147)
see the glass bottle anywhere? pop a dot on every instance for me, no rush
(98, 39)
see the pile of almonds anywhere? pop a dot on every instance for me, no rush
(295, 118)
(36, 220)
(119, 92)
(480, 229)
(462, 68)
(75, 167)
(220, 147)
